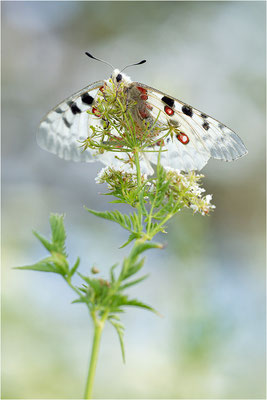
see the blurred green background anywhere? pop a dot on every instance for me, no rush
(209, 282)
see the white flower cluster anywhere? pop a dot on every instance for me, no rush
(111, 169)
(204, 207)
(101, 174)
(183, 187)
(190, 181)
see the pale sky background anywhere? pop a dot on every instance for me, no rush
(209, 281)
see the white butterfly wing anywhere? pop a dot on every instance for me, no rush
(201, 136)
(62, 128)
(68, 123)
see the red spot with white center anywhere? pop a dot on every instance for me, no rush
(143, 92)
(96, 112)
(141, 89)
(183, 138)
(144, 96)
(102, 89)
(168, 110)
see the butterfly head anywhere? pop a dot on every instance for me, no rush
(118, 77)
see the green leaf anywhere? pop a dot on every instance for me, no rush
(137, 303)
(130, 264)
(58, 232)
(112, 276)
(42, 266)
(130, 269)
(114, 216)
(117, 310)
(131, 237)
(140, 247)
(133, 282)
(75, 266)
(142, 203)
(135, 221)
(60, 261)
(114, 316)
(83, 299)
(95, 284)
(49, 246)
(120, 331)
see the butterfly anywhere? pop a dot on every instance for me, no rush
(197, 136)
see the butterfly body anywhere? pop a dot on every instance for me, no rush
(192, 136)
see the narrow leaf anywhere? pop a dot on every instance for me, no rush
(119, 330)
(133, 282)
(131, 237)
(114, 216)
(141, 247)
(75, 266)
(137, 303)
(58, 231)
(112, 276)
(133, 269)
(113, 316)
(93, 283)
(41, 266)
(142, 203)
(49, 246)
(82, 300)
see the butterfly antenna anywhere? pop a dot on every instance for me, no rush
(98, 59)
(131, 65)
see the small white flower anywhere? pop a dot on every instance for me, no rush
(194, 208)
(208, 198)
(101, 175)
(177, 171)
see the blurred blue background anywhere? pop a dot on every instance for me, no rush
(209, 282)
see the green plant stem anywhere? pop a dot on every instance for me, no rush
(68, 280)
(149, 219)
(139, 184)
(138, 173)
(98, 328)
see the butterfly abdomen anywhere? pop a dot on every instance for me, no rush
(142, 110)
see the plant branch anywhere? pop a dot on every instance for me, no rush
(139, 187)
(98, 328)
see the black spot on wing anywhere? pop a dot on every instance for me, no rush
(87, 99)
(75, 109)
(66, 122)
(203, 115)
(187, 110)
(59, 110)
(168, 101)
(206, 126)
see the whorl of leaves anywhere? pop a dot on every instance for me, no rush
(101, 296)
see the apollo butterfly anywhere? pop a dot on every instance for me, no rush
(198, 137)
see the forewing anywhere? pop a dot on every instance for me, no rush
(200, 136)
(68, 123)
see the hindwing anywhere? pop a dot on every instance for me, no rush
(198, 136)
